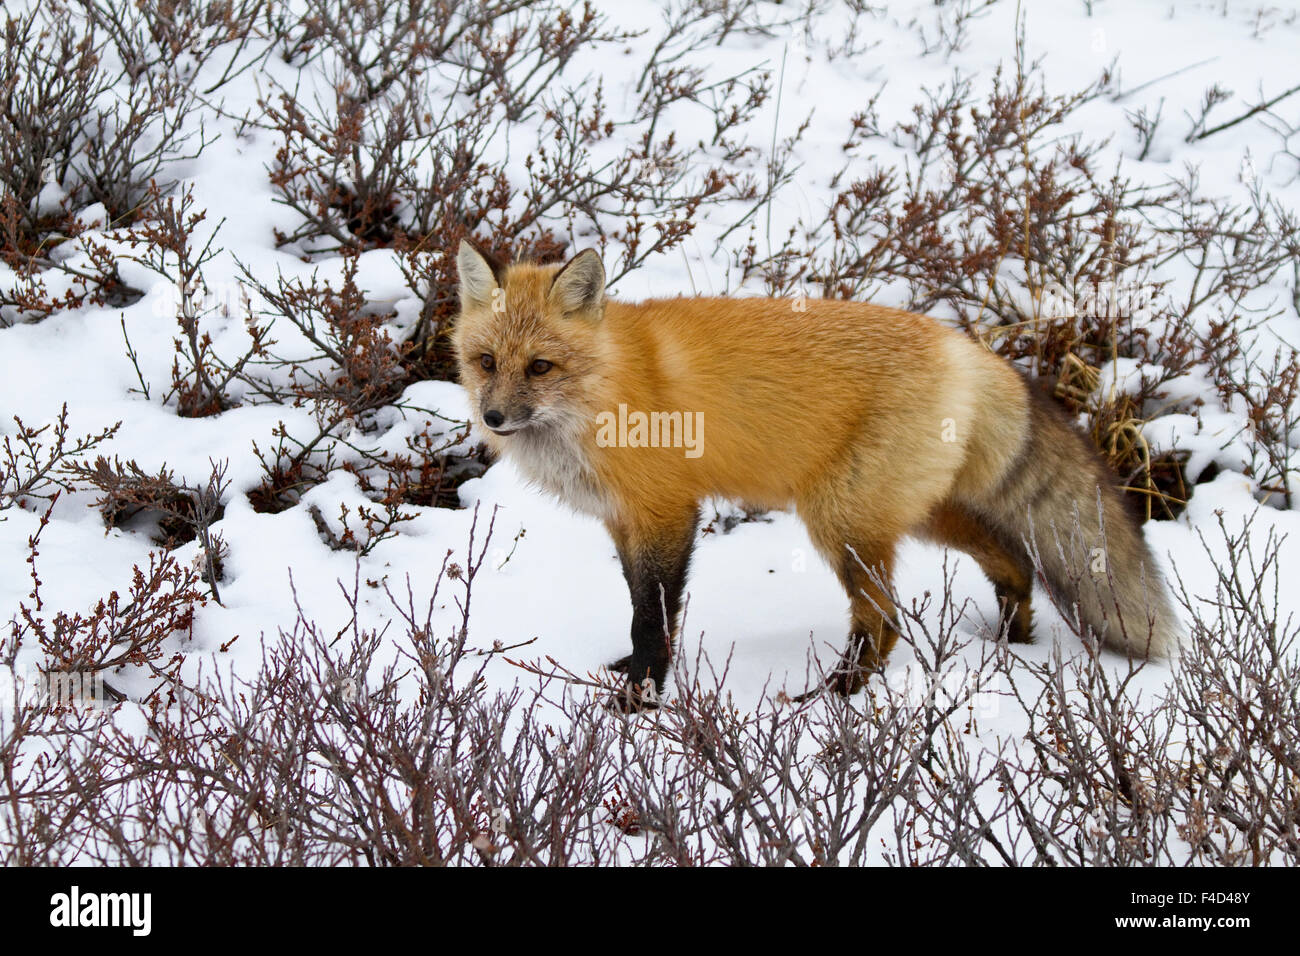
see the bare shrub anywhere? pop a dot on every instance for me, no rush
(358, 168)
(175, 513)
(137, 630)
(201, 377)
(181, 37)
(84, 123)
(350, 746)
(351, 370)
(367, 163)
(1268, 391)
(57, 69)
(33, 459)
(1051, 262)
(1236, 704)
(951, 25)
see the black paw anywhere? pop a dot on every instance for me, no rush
(634, 698)
(621, 665)
(849, 677)
(848, 682)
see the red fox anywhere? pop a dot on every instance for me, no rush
(872, 423)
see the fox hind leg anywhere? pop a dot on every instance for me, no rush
(1010, 570)
(866, 573)
(864, 565)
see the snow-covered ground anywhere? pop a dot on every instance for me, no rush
(758, 593)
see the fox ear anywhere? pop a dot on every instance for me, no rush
(479, 273)
(580, 284)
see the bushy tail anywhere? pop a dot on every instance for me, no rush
(1059, 498)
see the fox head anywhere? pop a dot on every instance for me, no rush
(528, 339)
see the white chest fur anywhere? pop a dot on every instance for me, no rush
(554, 459)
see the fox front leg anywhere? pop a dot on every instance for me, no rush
(655, 561)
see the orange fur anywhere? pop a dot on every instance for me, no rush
(870, 422)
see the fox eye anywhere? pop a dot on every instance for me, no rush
(540, 367)
(487, 361)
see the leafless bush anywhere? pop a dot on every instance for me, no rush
(1236, 703)
(57, 70)
(368, 163)
(1269, 394)
(1094, 788)
(952, 20)
(1200, 128)
(354, 362)
(1204, 773)
(175, 513)
(374, 163)
(180, 37)
(33, 459)
(351, 370)
(137, 630)
(1232, 249)
(1286, 132)
(428, 473)
(79, 129)
(376, 525)
(201, 377)
(1236, 252)
(352, 747)
(818, 784)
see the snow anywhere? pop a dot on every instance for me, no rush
(759, 594)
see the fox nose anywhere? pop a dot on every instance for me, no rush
(494, 419)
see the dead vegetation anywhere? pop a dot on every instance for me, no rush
(339, 749)
(995, 218)
(337, 753)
